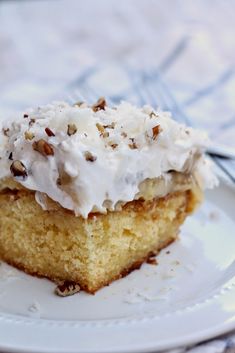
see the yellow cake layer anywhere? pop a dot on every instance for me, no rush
(92, 252)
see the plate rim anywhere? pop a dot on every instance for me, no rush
(200, 335)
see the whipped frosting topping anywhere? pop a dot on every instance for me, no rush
(90, 158)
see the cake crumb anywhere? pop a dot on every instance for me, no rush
(35, 309)
(190, 268)
(214, 216)
(175, 262)
(152, 261)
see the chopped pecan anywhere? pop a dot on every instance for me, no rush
(102, 131)
(6, 131)
(152, 261)
(31, 121)
(133, 144)
(71, 129)
(10, 156)
(43, 147)
(110, 126)
(49, 132)
(124, 134)
(100, 128)
(28, 135)
(25, 116)
(99, 105)
(152, 114)
(67, 288)
(18, 169)
(156, 130)
(89, 156)
(114, 145)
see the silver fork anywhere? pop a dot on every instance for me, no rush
(222, 156)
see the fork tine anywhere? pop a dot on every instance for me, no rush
(227, 165)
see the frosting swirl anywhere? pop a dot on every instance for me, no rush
(86, 158)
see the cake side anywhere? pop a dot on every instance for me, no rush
(91, 252)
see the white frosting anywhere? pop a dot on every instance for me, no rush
(117, 171)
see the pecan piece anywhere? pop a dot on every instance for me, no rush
(71, 129)
(5, 131)
(156, 130)
(152, 114)
(67, 288)
(114, 145)
(31, 121)
(133, 145)
(43, 147)
(78, 104)
(18, 169)
(49, 132)
(110, 126)
(99, 105)
(28, 135)
(89, 156)
(152, 261)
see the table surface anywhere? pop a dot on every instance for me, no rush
(46, 45)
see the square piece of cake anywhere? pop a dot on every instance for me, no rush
(88, 193)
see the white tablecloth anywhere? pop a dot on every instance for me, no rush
(51, 49)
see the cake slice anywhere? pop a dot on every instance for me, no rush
(88, 193)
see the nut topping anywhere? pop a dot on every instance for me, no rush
(10, 156)
(43, 147)
(110, 126)
(99, 105)
(25, 116)
(67, 288)
(31, 121)
(18, 169)
(72, 129)
(49, 132)
(114, 145)
(100, 128)
(102, 131)
(152, 114)
(89, 156)
(28, 135)
(152, 261)
(133, 145)
(155, 130)
(78, 104)
(5, 131)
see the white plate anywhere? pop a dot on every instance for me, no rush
(188, 297)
